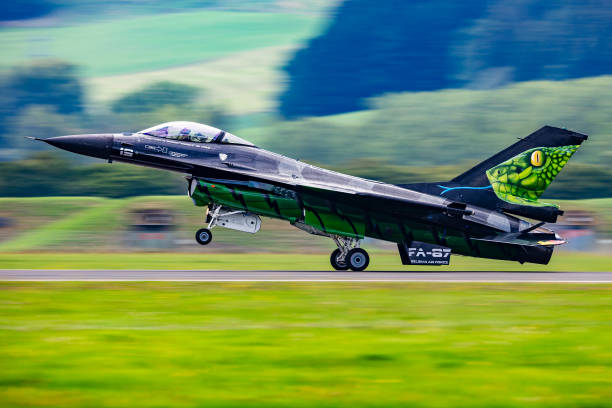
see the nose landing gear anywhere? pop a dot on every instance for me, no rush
(349, 255)
(203, 236)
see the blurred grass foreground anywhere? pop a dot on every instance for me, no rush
(305, 345)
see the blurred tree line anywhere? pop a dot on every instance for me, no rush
(25, 9)
(46, 98)
(576, 181)
(371, 48)
(55, 174)
(404, 138)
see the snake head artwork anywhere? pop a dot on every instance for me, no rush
(523, 178)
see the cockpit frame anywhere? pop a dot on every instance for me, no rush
(193, 132)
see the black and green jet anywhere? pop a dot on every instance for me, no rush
(480, 213)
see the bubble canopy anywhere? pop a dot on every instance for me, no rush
(193, 132)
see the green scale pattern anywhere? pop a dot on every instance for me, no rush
(281, 203)
(340, 219)
(522, 180)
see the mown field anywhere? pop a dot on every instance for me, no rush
(89, 232)
(305, 345)
(90, 224)
(98, 224)
(240, 83)
(155, 41)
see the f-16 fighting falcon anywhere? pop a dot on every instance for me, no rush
(481, 213)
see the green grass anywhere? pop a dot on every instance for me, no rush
(601, 207)
(59, 232)
(98, 225)
(156, 41)
(305, 345)
(208, 260)
(240, 83)
(60, 222)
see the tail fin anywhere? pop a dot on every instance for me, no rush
(521, 173)
(514, 179)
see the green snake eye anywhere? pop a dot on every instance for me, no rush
(537, 158)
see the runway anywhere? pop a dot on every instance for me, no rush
(52, 275)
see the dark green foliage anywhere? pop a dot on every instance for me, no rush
(51, 83)
(578, 181)
(24, 9)
(371, 48)
(49, 174)
(156, 95)
(51, 87)
(533, 39)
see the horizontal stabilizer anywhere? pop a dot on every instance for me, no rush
(525, 239)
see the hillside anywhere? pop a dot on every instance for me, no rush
(450, 127)
(98, 224)
(369, 49)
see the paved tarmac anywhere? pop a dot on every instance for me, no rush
(46, 275)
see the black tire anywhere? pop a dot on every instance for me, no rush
(357, 259)
(203, 236)
(337, 264)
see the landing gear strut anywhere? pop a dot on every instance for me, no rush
(349, 255)
(203, 236)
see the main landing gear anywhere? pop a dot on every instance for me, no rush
(349, 255)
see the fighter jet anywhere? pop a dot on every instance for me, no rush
(490, 211)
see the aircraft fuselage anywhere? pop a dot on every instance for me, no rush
(252, 180)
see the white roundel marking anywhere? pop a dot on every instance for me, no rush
(222, 156)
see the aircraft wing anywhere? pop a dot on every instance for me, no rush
(372, 200)
(376, 201)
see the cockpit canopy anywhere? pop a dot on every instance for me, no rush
(193, 132)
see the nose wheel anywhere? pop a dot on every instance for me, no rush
(203, 236)
(348, 255)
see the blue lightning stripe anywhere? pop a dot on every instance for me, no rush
(447, 189)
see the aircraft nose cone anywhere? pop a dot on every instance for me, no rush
(98, 145)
